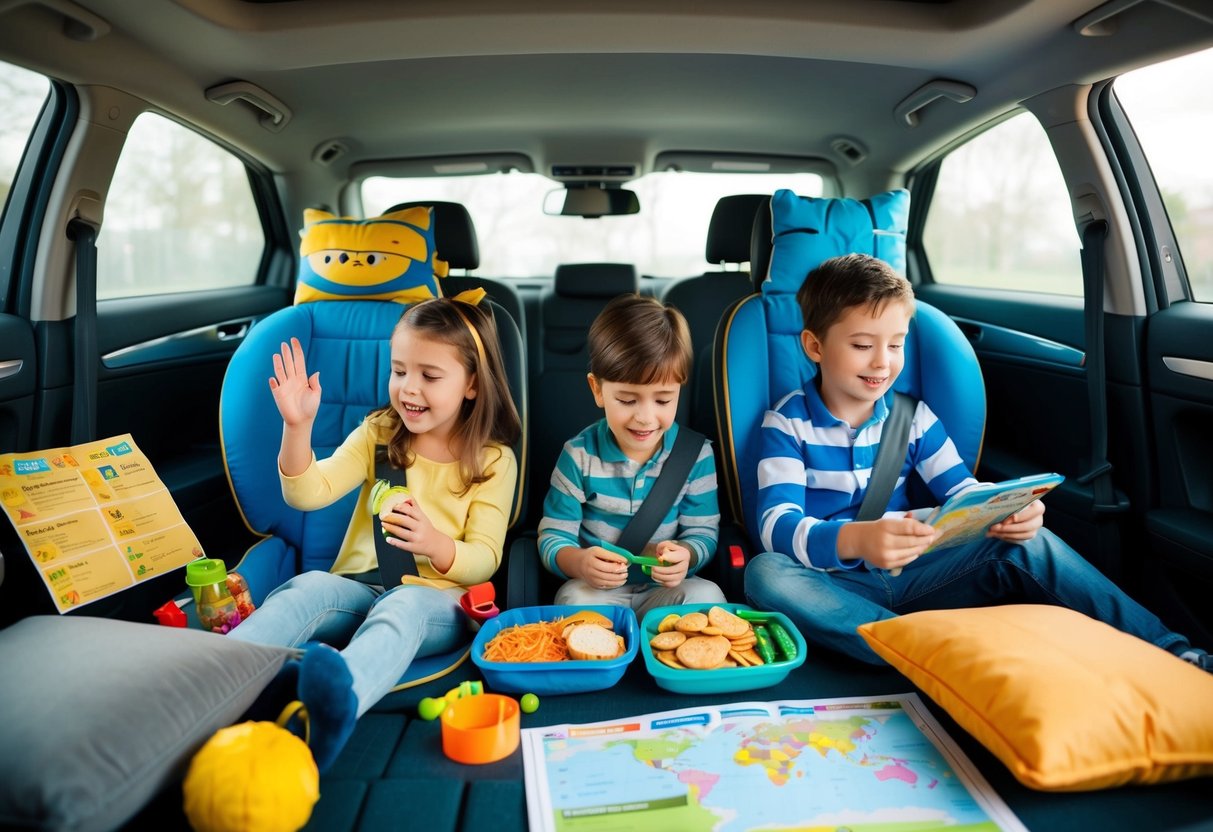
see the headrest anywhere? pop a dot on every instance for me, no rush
(806, 231)
(729, 230)
(596, 280)
(760, 244)
(382, 258)
(454, 233)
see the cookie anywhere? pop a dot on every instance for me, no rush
(703, 652)
(668, 640)
(730, 626)
(667, 657)
(692, 622)
(668, 622)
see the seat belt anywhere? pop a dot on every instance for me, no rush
(1099, 476)
(639, 530)
(890, 458)
(394, 563)
(84, 389)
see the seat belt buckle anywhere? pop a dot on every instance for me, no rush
(736, 556)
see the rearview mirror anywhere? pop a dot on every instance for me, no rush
(590, 201)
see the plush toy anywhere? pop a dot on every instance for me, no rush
(254, 776)
(390, 257)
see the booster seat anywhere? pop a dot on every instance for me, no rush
(347, 342)
(758, 356)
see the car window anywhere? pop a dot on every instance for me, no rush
(1000, 217)
(21, 96)
(180, 216)
(666, 239)
(1172, 114)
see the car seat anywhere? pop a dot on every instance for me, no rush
(347, 342)
(758, 356)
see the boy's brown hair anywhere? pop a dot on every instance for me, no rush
(639, 340)
(851, 280)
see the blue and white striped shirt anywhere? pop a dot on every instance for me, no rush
(596, 489)
(815, 469)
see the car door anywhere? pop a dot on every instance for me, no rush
(1157, 121)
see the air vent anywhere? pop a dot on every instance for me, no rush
(594, 171)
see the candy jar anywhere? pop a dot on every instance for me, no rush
(238, 587)
(216, 607)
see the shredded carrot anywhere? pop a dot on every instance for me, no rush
(537, 642)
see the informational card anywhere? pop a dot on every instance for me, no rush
(967, 515)
(95, 518)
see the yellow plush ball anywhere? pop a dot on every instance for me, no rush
(251, 776)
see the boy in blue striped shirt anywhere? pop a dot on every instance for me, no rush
(640, 356)
(829, 572)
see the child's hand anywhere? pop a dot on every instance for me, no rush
(297, 395)
(1020, 526)
(412, 531)
(888, 543)
(675, 562)
(603, 569)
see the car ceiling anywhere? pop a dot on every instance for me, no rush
(584, 82)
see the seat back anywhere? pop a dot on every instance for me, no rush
(347, 341)
(704, 298)
(759, 357)
(562, 402)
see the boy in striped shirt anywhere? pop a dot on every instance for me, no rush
(829, 572)
(640, 356)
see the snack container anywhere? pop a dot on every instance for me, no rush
(721, 680)
(553, 678)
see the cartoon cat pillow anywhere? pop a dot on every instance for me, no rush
(390, 257)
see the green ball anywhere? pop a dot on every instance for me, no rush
(529, 703)
(430, 709)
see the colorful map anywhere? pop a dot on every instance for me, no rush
(866, 765)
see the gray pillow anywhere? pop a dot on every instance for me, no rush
(97, 715)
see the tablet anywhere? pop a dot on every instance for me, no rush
(967, 515)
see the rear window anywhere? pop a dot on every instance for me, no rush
(666, 239)
(21, 96)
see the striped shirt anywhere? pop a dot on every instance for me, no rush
(815, 469)
(596, 489)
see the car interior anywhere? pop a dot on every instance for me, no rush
(1042, 170)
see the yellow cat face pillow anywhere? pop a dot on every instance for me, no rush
(382, 258)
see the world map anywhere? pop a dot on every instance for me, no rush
(786, 767)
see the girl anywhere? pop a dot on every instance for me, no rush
(449, 424)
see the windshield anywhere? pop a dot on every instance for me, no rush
(666, 239)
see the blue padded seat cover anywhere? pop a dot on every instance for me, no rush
(347, 342)
(761, 355)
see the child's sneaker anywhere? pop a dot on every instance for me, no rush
(1199, 658)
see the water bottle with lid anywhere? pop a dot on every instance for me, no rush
(217, 608)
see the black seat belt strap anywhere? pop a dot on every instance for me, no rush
(1099, 476)
(674, 472)
(84, 335)
(394, 563)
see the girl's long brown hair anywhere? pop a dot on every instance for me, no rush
(491, 415)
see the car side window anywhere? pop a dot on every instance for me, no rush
(1000, 216)
(1172, 116)
(22, 94)
(179, 217)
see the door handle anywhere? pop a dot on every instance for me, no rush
(232, 331)
(971, 331)
(11, 367)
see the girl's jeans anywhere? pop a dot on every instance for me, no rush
(385, 630)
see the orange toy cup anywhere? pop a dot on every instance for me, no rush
(480, 729)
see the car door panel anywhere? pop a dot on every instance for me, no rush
(18, 372)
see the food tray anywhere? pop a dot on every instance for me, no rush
(550, 678)
(721, 680)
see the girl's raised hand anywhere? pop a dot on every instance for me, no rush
(297, 395)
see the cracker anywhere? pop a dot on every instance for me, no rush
(711, 631)
(692, 622)
(752, 657)
(739, 658)
(668, 640)
(703, 652)
(729, 624)
(667, 657)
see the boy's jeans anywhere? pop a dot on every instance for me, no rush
(828, 606)
(385, 630)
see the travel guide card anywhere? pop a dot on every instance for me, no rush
(95, 518)
(966, 515)
(856, 763)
